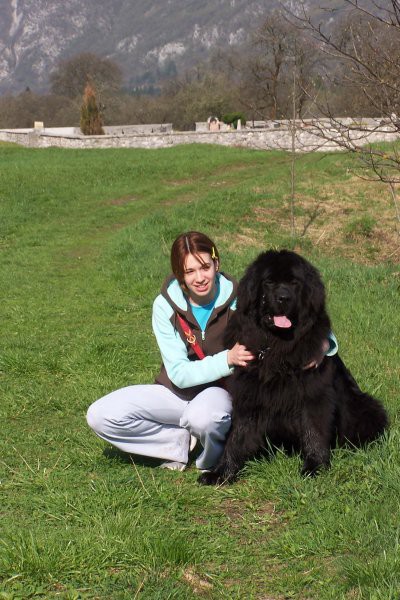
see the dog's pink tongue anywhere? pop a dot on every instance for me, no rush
(282, 321)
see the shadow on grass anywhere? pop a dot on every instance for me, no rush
(124, 457)
(116, 455)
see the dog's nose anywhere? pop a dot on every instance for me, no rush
(282, 295)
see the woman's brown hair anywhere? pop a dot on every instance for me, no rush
(192, 242)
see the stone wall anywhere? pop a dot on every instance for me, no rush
(137, 129)
(307, 138)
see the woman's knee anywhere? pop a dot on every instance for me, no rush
(95, 418)
(206, 422)
(111, 411)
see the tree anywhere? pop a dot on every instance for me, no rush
(20, 111)
(91, 122)
(71, 76)
(367, 46)
(276, 49)
(200, 93)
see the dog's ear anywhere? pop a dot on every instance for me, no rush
(314, 291)
(246, 328)
(248, 290)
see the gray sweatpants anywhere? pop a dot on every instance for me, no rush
(152, 421)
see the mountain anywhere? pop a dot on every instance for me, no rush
(147, 38)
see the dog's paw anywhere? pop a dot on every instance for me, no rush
(209, 478)
(307, 472)
(311, 468)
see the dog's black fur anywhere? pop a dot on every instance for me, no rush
(276, 400)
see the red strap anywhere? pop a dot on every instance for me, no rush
(191, 338)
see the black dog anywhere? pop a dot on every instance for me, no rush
(281, 318)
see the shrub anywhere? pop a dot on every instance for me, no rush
(91, 122)
(233, 118)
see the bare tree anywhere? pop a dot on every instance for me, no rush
(200, 93)
(70, 76)
(365, 52)
(276, 48)
(23, 109)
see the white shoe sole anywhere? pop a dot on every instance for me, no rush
(173, 466)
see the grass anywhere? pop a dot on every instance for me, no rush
(84, 242)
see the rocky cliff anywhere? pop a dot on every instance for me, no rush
(147, 38)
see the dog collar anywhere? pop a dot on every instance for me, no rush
(261, 354)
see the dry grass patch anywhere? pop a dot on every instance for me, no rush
(247, 238)
(236, 510)
(177, 182)
(355, 219)
(199, 585)
(121, 201)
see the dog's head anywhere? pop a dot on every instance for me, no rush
(281, 291)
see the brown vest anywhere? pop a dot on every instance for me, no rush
(213, 339)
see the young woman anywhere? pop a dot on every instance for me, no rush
(188, 401)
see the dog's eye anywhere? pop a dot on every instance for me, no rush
(267, 283)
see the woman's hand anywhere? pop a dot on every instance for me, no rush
(239, 356)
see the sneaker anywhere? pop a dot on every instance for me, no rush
(173, 466)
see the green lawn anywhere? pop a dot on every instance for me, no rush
(84, 246)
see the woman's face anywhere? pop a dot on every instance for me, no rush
(199, 278)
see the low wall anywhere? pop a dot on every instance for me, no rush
(306, 139)
(137, 129)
